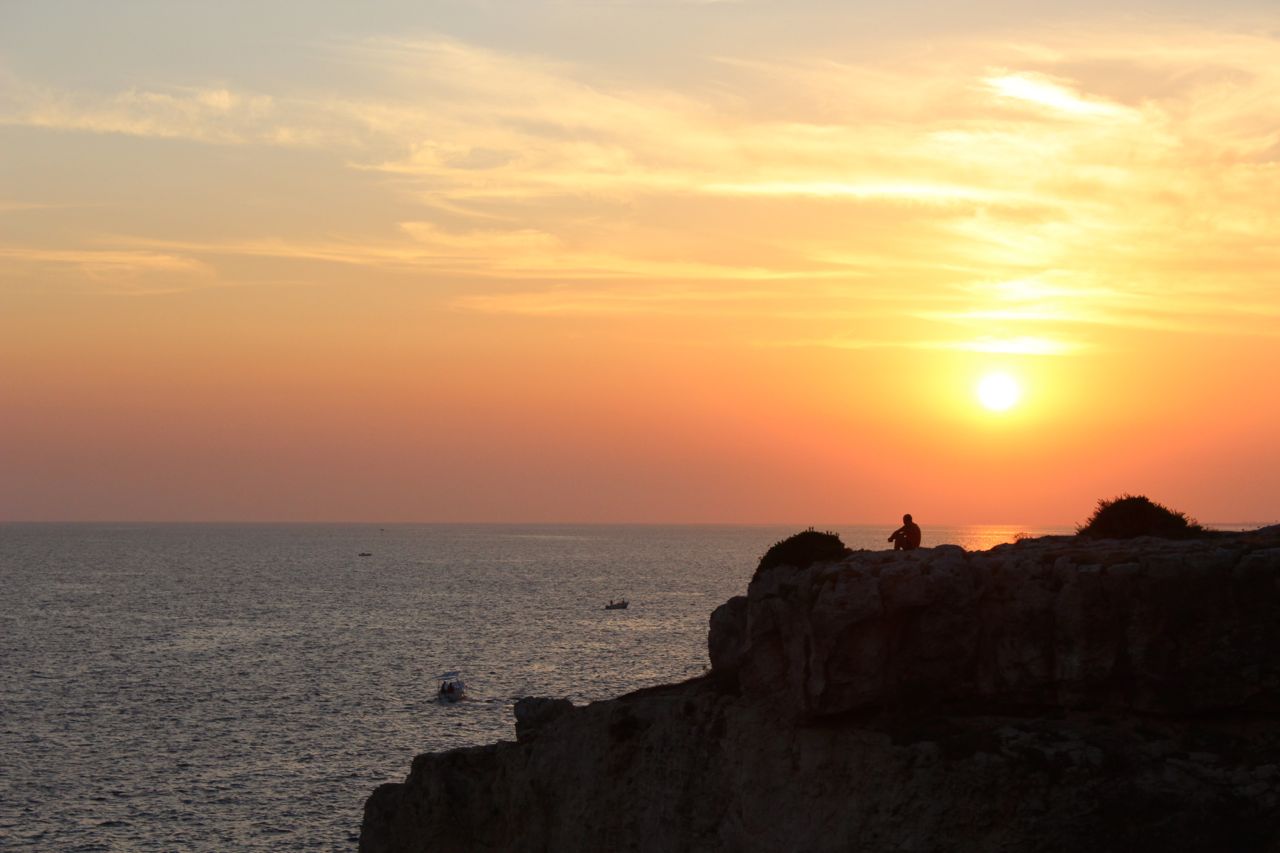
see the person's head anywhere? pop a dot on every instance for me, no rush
(906, 519)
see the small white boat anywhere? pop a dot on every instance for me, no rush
(451, 687)
(617, 605)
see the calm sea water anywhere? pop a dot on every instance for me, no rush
(224, 687)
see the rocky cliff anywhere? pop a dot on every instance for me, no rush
(1051, 695)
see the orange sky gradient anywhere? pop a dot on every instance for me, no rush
(443, 269)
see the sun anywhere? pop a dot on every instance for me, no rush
(998, 392)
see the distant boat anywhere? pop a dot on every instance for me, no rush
(365, 554)
(616, 605)
(451, 687)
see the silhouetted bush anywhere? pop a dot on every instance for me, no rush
(1135, 515)
(803, 549)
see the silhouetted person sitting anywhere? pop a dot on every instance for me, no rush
(906, 537)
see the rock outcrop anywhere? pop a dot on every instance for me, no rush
(1051, 695)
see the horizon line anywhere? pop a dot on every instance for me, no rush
(491, 523)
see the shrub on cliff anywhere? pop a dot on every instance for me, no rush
(802, 549)
(1136, 515)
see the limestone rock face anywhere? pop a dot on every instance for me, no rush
(533, 713)
(1051, 695)
(1157, 627)
(727, 641)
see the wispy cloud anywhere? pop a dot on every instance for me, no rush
(1096, 182)
(1026, 345)
(215, 115)
(106, 271)
(1057, 96)
(21, 206)
(921, 192)
(106, 262)
(650, 301)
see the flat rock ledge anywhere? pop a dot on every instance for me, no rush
(1049, 695)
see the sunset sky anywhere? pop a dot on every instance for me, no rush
(652, 262)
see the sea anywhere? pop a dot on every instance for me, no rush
(221, 687)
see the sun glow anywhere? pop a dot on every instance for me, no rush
(998, 392)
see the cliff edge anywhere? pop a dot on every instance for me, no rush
(1056, 694)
